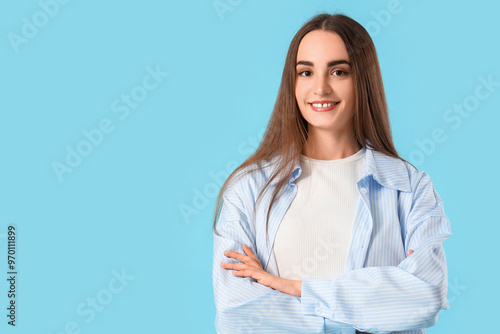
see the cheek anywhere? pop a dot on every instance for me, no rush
(298, 90)
(299, 96)
(301, 92)
(346, 92)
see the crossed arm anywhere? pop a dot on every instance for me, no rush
(252, 267)
(378, 300)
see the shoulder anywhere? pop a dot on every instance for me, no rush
(423, 200)
(396, 173)
(245, 187)
(249, 180)
(390, 171)
(417, 178)
(418, 198)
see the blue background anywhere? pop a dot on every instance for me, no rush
(141, 201)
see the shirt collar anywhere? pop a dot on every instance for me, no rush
(388, 171)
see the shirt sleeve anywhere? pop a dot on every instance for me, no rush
(383, 299)
(242, 304)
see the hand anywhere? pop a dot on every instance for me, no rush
(251, 266)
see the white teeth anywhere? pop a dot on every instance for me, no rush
(324, 105)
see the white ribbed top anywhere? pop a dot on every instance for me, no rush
(314, 236)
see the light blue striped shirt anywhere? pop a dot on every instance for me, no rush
(381, 291)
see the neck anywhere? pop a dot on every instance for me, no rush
(328, 147)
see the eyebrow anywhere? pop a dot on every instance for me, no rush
(330, 64)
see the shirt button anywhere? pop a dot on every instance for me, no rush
(363, 190)
(318, 310)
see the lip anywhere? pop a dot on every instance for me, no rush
(323, 109)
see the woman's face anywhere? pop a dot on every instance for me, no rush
(324, 76)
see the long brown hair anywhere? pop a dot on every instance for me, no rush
(287, 130)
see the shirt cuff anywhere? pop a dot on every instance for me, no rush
(314, 293)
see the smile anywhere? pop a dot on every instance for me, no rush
(323, 106)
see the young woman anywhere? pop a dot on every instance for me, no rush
(315, 229)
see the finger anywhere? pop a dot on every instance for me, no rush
(242, 273)
(232, 254)
(249, 252)
(237, 256)
(247, 249)
(235, 266)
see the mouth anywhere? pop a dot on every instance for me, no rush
(322, 106)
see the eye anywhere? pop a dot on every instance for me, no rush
(343, 73)
(340, 73)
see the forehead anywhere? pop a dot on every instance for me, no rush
(322, 46)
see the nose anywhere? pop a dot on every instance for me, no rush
(322, 85)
